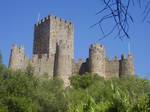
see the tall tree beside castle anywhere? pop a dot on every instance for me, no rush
(53, 54)
(1, 58)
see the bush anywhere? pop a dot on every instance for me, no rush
(20, 92)
(23, 92)
(128, 94)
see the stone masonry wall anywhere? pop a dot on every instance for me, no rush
(61, 30)
(18, 60)
(126, 66)
(63, 63)
(97, 60)
(80, 67)
(41, 37)
(76, 66)
(112, 68)
(42, 66)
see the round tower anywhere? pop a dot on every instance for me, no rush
(97, 60)
(126, 66)
(63, 62)
(17, 60)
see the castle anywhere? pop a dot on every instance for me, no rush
(53, 54)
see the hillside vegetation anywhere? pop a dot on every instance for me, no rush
(22, 92)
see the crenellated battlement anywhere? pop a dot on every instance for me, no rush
(97, 48)
(60, 20)
(43, 21)
(126, 58)
(54, 18)
(19, 48)
(122, 58)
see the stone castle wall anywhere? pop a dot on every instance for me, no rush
(41, 37)
(80, 67)
(97, 60)
(61, 31)
(126, 65)
(42, 66)
(18, 60)
(63, 62)
(53, 54)
(99, 64)
(76, 66)
(112, 68)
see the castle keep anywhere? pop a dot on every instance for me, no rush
(53, 54)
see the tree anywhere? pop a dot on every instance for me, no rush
(0, 58)
(118, 12)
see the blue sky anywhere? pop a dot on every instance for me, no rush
(17, 19)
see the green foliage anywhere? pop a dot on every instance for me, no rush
(23, 92)
(29, 70)
(1, 58)
(84, 81)
(128, 94)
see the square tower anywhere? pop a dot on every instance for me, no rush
(51, 31)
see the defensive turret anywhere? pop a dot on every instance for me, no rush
(97, 60)
(126, 65)
(63, 62)
(18, 59)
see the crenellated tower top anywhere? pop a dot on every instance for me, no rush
(53, 18)
(97, 48)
